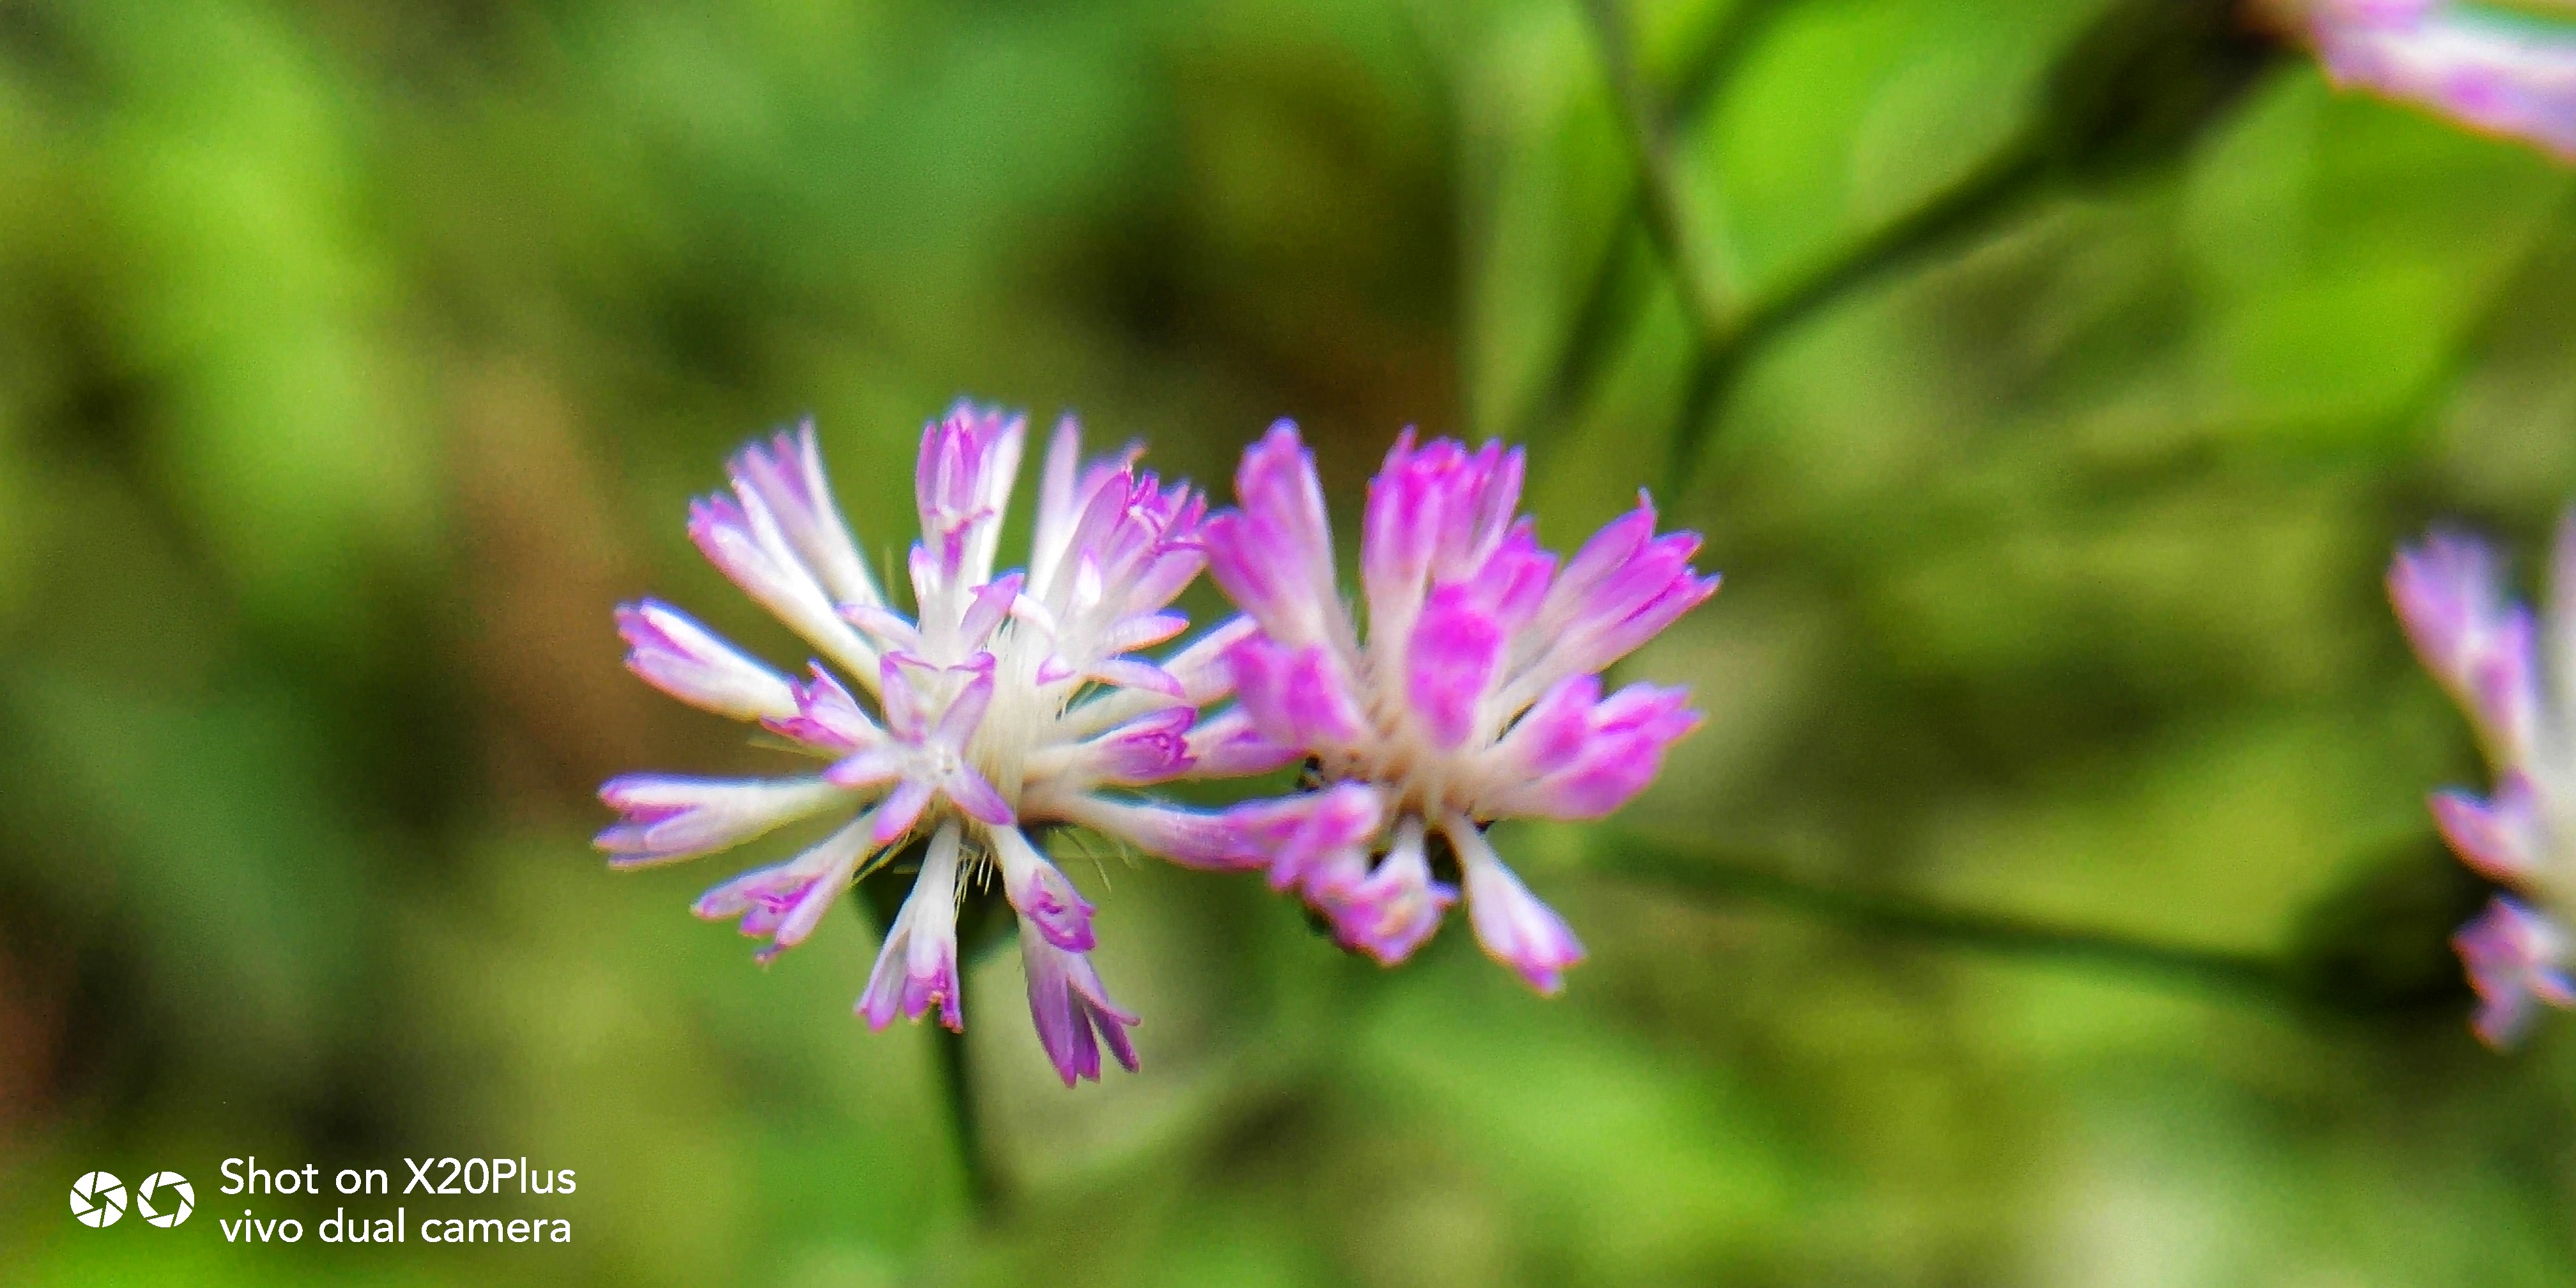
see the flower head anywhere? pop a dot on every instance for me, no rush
(1476, 694)
(1003, 702)
(2486, 650)
(2512, 75)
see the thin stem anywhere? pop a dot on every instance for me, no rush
(1707, 291)
(1726, 331)
(1635, 856)
(1977, 200)
(880, 899)
(1709, 71)
(1608, 308)
(956, 1079)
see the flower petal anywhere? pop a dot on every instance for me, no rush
(1512, 925)
(2489, 73)
(962, 483)
(899, 678)
(828, 717)
(1435, 514)
(787, 475)
(990, 603)
(889, 630)
(785, 901)
(1191, 838)
(2449, 594)
(901, 809)
(917, 967)
(1128, 673)
(738, 536)
(2505, 839)
(673, 653)
(1274, 555)
(1455, 649)
(669, 817)
(1299, 697)
(1069, 1005)
(2514, 957)
(1230, 747)
(1623, 748)
(973, 795)
(872, 767)
(1039, 890)
(966, 711)
(1395, 908)
(1150, 749)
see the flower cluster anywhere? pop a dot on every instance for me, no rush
(2486, 649)
(2504, 74)
(1014, 700)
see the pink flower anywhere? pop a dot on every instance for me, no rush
(1005, 701)
(1475, 696)
(2507, 75)
(2449, 591)
(2485, 648)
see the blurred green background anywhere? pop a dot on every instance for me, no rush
(355, 358)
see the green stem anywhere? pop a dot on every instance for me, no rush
(1977, 200)
(1726, 331)
(1708, 72)
(880, 897)
(1608, 307)
(1707, 291)
(956, 1079)
(1634, 856)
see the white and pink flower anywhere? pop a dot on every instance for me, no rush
(1006, 701)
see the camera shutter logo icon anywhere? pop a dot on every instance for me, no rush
(165, 1199)
(98, 1199)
